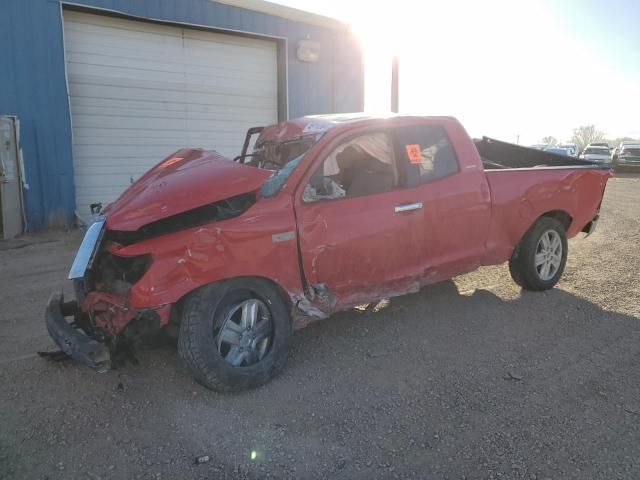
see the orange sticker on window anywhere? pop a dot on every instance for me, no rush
(414, 153)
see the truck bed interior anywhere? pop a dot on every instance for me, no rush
(498, 155)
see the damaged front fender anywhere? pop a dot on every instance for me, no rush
(71, 341)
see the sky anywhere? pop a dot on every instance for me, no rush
(511, 69)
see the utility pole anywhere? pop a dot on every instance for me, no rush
(395, 86)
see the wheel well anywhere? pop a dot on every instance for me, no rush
(563, 217)
(283, 293)
(560, 215)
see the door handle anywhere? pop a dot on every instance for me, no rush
(407, 207)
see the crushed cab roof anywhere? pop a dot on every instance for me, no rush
(317, 124)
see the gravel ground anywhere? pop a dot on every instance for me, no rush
(467, 379)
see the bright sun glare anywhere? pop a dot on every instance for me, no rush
(483, 62)
(505, 69)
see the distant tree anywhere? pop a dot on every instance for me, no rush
(586, 134)
(551, 141)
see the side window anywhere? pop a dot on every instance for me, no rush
(362, 165)
(424, 154)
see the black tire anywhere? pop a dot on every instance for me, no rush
(522, 264)
(198, 343)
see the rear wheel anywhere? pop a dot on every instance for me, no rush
(234, 335)
(539, 259)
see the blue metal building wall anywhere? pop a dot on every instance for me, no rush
(33, 84)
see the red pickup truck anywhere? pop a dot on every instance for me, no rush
(323, 214)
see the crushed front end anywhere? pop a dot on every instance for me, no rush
(102, 321)
(177, 228)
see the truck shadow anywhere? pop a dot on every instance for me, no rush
(470, 367)
(439, 326)
(439, 331)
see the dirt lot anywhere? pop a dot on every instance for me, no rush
(466, 379)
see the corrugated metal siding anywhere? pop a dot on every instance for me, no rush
(33, 84)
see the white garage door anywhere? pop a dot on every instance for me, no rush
(139, 91)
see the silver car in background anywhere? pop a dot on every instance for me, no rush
(627, 156)
(598, 154)
(572, 148)
(565, 152)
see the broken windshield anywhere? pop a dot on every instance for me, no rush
(282, 157)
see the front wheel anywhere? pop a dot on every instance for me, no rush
(234, 335)
(539, 259)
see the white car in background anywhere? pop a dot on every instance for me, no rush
(593, 153)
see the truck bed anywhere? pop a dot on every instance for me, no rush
(498, 155)
(520, 195)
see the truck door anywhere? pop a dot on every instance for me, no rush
(359, 231)
(454, 193)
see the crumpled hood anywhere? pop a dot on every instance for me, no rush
(187, 179)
